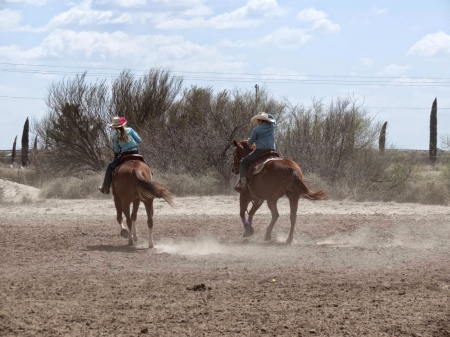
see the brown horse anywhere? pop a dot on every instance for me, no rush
(276, 179)
(132, 183)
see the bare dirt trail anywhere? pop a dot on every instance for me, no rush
(354, 269)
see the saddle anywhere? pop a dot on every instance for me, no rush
(131, 157)
(257, 166)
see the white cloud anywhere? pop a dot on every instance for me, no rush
(9, 19)
(284, 37)
(123, 48)
(381, 11)
(394, 70)
(181, 3)
(431, 45)
(123, 3)
(326, 25)
(311, 14)
(319, 20)
(200, 10)
(81, 14)
(252, 14)
(26, 2)
(367, 62)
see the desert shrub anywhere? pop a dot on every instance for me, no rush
(185, 184)
(73, 188)
(336, 142)
(423, 185)
(445, 173)
(434, 194)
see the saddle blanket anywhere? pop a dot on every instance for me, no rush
(258, 167)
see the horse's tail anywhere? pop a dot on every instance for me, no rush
(305, 191)
(148, 189)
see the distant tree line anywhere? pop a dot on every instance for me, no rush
(190, 130)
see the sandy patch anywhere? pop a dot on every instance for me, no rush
(12, 192)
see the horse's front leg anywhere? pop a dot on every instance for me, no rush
(149, 208)
(256, 205)
(272, 204)
(133, 218)
(244, 200)
(123, 229)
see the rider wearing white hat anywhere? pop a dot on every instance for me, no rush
(263, 136)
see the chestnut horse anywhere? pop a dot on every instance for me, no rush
(277, 178)
(132, 183)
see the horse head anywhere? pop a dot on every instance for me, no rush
(242, 149)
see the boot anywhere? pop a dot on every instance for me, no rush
(242, 186)
(104, 189)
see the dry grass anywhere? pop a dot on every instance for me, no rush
(21, 176)
(187, 185)
(426, 185)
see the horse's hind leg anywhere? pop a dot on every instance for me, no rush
(272, 204)
(123, 229)
(133, 219)
(126, 212)
(149, 208)
(293, 203)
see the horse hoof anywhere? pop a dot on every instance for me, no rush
(267, 238)
(124, 233)
(248, 231)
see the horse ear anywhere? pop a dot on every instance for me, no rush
(235, 143)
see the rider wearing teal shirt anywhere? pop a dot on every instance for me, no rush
(263, 136)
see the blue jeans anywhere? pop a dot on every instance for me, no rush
(248, 160)
(112, 165)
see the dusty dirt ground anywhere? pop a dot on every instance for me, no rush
(353, 269)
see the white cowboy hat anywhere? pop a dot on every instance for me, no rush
(117, 122)
(262, 116)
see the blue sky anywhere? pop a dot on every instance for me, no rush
(391, 56)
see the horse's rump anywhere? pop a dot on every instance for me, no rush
(283, 176)
(133, 180)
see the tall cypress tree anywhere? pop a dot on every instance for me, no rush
(25, 139)
(433, 132)
(382, 140)
(13, 154)
(34, 151)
